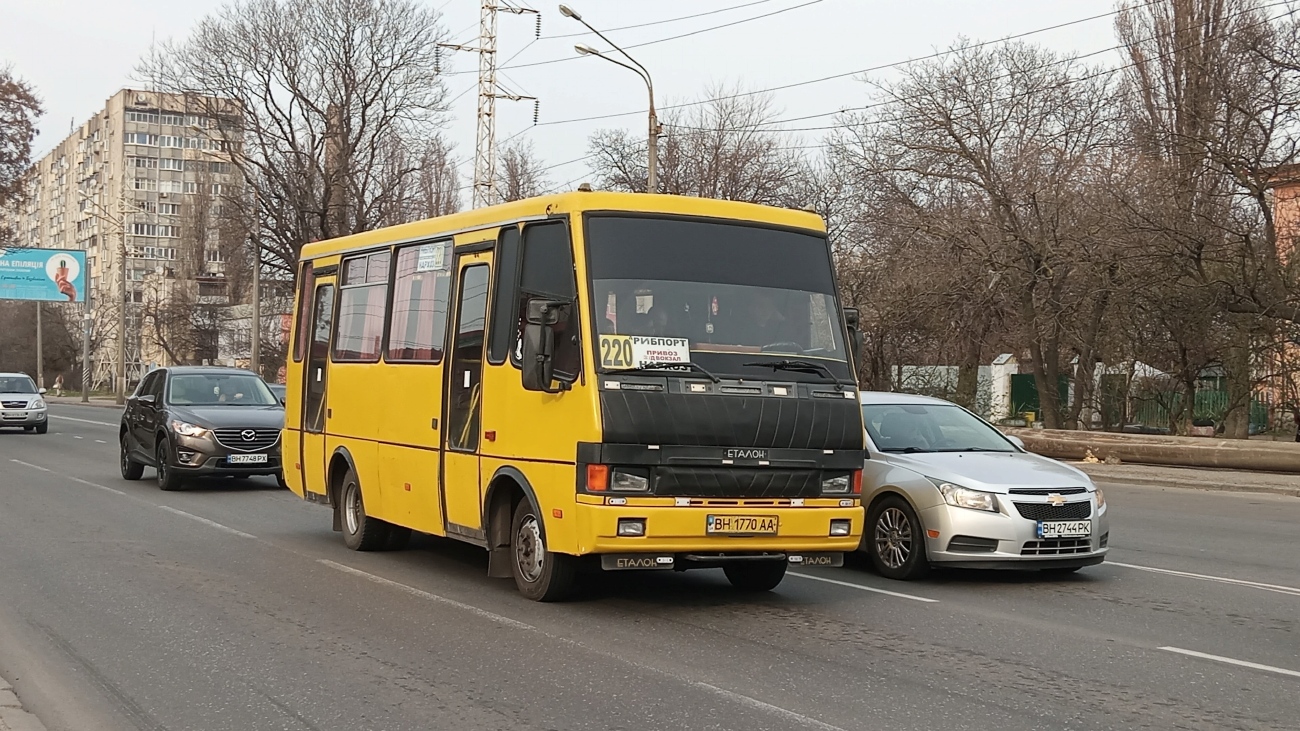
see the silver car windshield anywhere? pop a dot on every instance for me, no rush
(16, 384)
(911, 428)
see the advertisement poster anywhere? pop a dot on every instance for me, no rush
(52, 275)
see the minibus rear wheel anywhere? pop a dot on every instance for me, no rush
(541, 575)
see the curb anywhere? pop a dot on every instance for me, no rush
(77, 402)
(1182, 483)
(12, 715)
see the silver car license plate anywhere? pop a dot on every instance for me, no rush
(246, 459)
(1064, 528)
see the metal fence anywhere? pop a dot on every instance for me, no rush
(1154, 409)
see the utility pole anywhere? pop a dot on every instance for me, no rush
(255, 353)
(485, 186)
(40, 349)
(86, 319)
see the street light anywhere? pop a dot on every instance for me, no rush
(652, 176)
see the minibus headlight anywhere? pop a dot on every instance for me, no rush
(625, 481)
(837, 485)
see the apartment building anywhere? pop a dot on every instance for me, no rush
(144, 187)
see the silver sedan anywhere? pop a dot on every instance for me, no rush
(944, 488)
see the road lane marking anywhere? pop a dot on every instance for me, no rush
(745, 700)
(865, 588)
(493, 616)
(66, 477)
(427, 595)
(210, 523)
(83, 421)
(100, 441)
(1289, 590)
(77, 436)
(1232, 661)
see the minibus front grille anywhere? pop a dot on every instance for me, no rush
(736, 482)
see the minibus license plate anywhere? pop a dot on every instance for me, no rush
(246, 459)
(748, 525)
(1064, 529)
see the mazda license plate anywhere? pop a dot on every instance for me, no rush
(1064, 528)
(246, 459)
(741, 525)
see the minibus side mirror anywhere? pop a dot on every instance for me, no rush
(855, 335)
(539, 343)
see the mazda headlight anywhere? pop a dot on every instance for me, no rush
(187, 429)
(964, 497)
(37, 403)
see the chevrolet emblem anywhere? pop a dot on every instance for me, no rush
(1055, 499)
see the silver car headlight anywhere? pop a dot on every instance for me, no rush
(1101, 499)
(964, 497)
(186, 429)
(37, 403)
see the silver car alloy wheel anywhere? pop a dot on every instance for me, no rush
(893, 538)
(529, 551)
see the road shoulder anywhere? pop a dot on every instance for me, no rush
(1195, 478)
(12, 715)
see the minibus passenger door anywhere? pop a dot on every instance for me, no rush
(463, 401)
(315, 410)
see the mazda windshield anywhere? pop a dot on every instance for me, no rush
(731, 298)
(219, 389)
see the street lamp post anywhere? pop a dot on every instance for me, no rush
(652, 140)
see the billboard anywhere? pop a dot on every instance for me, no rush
(52, 275)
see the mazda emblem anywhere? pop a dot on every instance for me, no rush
(248, 435)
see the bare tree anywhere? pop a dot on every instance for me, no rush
(310, 96)
(520, 172)
(19, 110)
(725, 147)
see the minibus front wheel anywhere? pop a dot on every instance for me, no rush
(541, 575)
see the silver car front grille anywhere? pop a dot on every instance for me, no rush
(1057, 547)
(1046, 511)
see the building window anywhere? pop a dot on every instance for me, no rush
(145, 184)
(212, 289)
(171, 163)
(359, 330)
(216, 189)
(215, 256)
(142, 162)
(172, 119)
(421, 292)
(139, 138)
(171, 141)
(169, 209)
(190, 187)
(142, 117)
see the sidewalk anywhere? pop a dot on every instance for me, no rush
(1195, 478)
(108, 402)
(12, 715)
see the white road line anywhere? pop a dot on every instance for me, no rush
(1289, 590)
(865, 588)
(100, 441)
(66, 477)
(1231, 661)
(745, 700)
(83, 421)
(426, 595)
(75, 436)
(211, 523)
(728, 694)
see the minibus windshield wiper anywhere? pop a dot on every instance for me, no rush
(677, 366)
(801, 366)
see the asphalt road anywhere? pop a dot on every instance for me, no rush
(233, 606)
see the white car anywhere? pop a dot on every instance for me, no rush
(942, 487)
(21, 404)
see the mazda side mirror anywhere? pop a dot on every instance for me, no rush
(148, 398)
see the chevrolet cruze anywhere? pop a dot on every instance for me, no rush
(191, 421)
(944, 488)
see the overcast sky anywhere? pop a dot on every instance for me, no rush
(78, 53)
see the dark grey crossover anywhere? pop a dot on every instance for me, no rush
(191, 421)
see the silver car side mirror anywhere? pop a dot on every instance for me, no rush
(1020, 443)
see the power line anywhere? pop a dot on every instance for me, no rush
(867, 70)
(661, 22)
(661, 40)
(1061, 62)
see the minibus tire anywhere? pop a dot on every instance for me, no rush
(360, 531)
(755, 575)
(556, 576)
